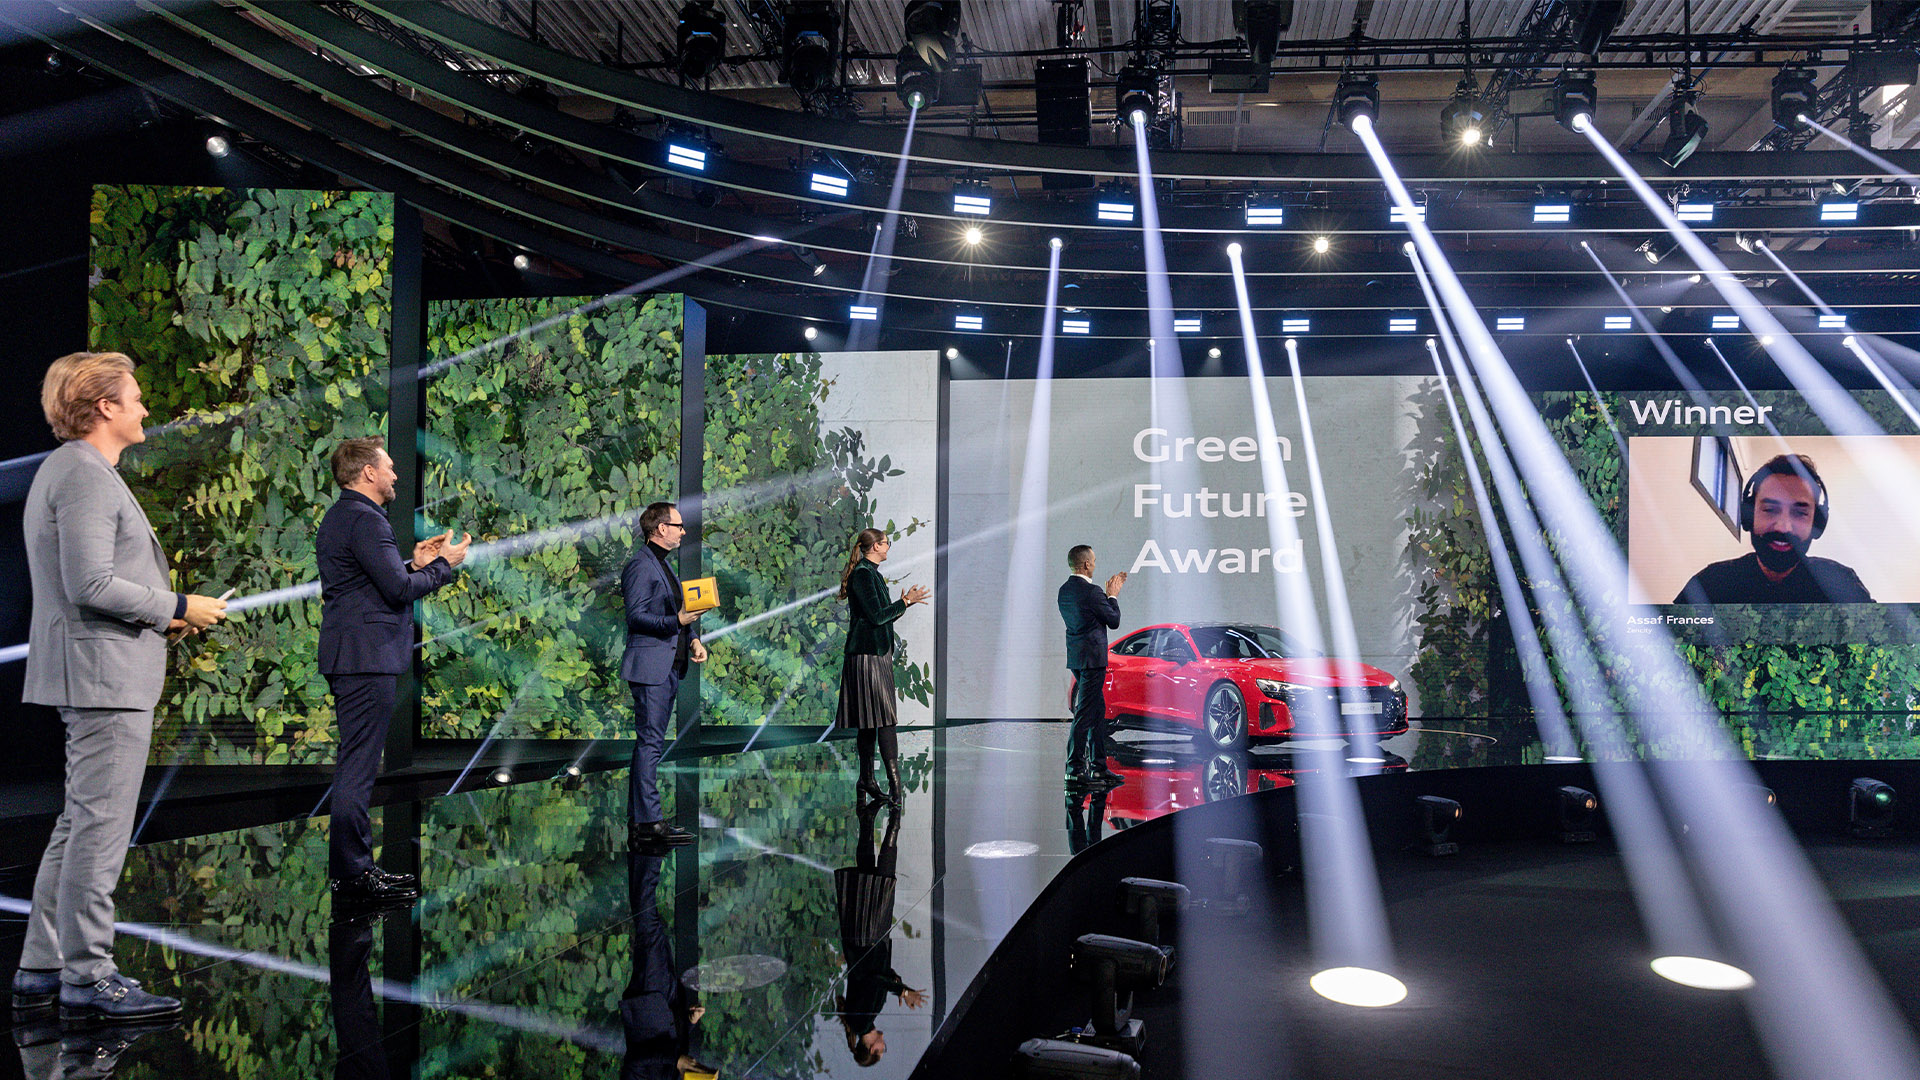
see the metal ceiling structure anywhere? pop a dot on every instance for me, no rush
(544, 126)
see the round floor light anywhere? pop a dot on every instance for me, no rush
(1701, 974)
(1361, 987)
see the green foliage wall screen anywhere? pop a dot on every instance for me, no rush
(550, 424)
(259, 320)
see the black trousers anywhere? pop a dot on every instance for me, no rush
(1087, 741)
(364, 704)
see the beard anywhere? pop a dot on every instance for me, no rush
(1777, 560)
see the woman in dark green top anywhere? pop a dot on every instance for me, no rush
(866, 675)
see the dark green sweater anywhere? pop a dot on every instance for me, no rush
(870, 630)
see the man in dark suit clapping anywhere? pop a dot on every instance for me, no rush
(660, 642)
(1089, 612)
(366, 642)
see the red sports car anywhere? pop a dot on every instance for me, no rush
(1235, 680)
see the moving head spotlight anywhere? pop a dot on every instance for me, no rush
(1136, 91)
(1686, 128)
(1574, 94)
(1057, 1059)
(1870, 806)
(1152, 903)
(1574, 812)
(1793, 96)
(1357, 95)
(1113, 966)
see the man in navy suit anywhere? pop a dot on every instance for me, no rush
(660, 642)
(1089, 612)
(366, 642)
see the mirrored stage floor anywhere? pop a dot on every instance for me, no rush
(797, 920)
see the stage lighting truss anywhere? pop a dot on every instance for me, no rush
(1831, 322)
(1552, 213)
(1357, 95)
(1617, 322)
(1461, 119)
(1186, 324)
(1794, 91)
(1265, 215)
(700, 39)
(973, 197)
(1724, 322)
(863, 313)
(1076, 326)
(965, 321)
(1402, 324)
(1574, 94)
(1686, 128)
(1510, 323)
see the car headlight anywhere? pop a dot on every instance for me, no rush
(1276, 688)
(1393, 687)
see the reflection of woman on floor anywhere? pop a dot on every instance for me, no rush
(866, 675)
(864, 894)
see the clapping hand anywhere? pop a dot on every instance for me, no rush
(916, 595)
(1115, 582)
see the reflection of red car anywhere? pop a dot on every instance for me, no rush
(1162, 779)
(1236, 680)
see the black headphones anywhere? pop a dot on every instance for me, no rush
(1784, 465)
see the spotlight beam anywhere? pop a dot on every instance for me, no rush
(1819, 1007)
(1619, 440)
(1877, 161)
(1347, 919)
(1692, 385)
(1027, 554)
(1669, 908)
(1548, 714)
(1852, 343)
(1841, 414)
(864, 335)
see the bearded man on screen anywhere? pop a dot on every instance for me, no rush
(1784, 509)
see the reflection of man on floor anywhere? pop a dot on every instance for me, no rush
(1784, 509)
(1089, 612)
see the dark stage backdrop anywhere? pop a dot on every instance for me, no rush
(260, 321)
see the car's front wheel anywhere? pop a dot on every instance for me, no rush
(1225, 717)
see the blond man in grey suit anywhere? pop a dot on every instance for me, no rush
(96, 650)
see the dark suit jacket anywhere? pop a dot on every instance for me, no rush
(366, 591)
(655, 638)
(1089, 613)
(870, 628)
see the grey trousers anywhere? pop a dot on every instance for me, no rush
(71, 924)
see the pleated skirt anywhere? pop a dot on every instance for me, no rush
(866, 693)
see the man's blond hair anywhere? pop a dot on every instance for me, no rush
(74, 387)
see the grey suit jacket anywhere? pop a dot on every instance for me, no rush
(101, 598)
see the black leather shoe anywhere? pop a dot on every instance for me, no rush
(1077, 778)
(871, 789)
(115, 998)
(34, 989)
(399, 881)
(96, 1052)
(657, 832)
(371, 888)
(1106, 778)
